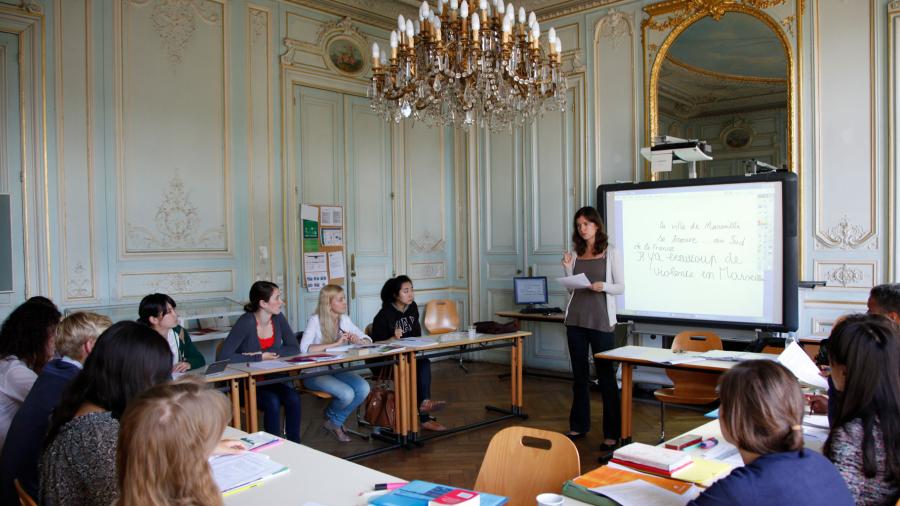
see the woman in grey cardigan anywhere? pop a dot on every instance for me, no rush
(590, 324)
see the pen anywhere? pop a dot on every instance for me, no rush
(388, 486)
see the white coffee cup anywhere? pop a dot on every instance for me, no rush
(550, 499)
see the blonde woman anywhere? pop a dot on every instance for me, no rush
(167, 436)
(327, 328)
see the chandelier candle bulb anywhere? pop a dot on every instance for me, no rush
(551, 35)
(376, 53)
(558, 46)
(464, 10)
(454, 5)
(476, 25)
(522, 15)
(440, 9)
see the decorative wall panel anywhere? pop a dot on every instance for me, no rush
(846, 274)
(172, 126)
(321, 146)
(845, 138)
(614, 99)
(263, 199)
(423, 161)
(501, 193)
(197, 282)
(75, 157)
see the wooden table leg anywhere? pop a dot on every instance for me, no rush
(235, 404)
(520, 346)
(513, 376)
(251, 405)
(627, 389)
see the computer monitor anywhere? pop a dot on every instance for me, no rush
(530, 290)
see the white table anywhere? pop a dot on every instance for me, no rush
(315, 477)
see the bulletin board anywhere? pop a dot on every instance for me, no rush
(322, 245)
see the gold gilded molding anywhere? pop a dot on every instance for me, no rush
(79, 280)
(687, 12)
(844, 234)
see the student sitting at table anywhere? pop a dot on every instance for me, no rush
(760, 413)
(328, 328)
(263, 333)
(157, 311)
(78, 465)
(166, 438)
(398, 318)
(26, 345)
(75, 338)
(864, 443)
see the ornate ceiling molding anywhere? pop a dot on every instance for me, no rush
(379, 13)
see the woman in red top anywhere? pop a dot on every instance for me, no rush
(263, 333)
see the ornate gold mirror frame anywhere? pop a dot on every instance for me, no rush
(667, 20)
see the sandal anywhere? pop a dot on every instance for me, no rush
(433, 425)
(430, 406)
(336, 431)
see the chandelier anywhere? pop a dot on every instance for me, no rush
(453, 68)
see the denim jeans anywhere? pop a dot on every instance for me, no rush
(348, 389)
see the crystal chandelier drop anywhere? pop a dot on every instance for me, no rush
(456, 69)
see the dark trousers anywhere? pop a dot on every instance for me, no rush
(583, 344)
(270, 398)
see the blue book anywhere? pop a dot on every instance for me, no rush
(418, 493)
(713, 414)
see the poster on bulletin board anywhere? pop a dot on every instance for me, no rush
(322, 245)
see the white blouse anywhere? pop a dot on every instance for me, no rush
(313, 333)
(16, 380)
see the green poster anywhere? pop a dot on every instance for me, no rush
(310, 229)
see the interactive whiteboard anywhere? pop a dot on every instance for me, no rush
(717, 252)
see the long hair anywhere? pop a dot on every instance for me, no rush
(153, 305)
(127, 359)
(761, 407)
(869, 347)
(391, 289)
(28, 332)
(327, 317)
(165, 440)
(601, 241)
(259, 292)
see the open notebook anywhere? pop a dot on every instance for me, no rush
(235, 472)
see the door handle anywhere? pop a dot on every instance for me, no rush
(353, 265)
(353, 289)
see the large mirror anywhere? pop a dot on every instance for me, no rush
(726, 81)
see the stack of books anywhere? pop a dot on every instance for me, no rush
(423, 493)
(652, 459)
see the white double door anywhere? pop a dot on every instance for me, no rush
(344, 155)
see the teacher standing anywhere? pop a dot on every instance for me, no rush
(590, 324)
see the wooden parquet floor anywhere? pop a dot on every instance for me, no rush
(455, 459)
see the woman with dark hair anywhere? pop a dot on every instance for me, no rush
(760, 414)
(79, 461)
(864, 444)
(590, 324)
(263, 333)
(399, 317)
(157, 311)
(26, 344)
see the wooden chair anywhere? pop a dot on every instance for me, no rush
(441, 317)
(24, 498)
(522, 462)
(695, 388)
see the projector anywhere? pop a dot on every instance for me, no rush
(683, 150)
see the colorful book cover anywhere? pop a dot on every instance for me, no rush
(419, 493)
(606, 475)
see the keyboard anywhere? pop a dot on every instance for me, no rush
(540, 310)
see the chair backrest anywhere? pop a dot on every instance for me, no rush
(695, 384)
(522, 462)
(24, 498)
(441, 316)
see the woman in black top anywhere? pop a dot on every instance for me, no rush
(399, 317)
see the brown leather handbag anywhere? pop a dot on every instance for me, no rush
(381, 409)
(491, 327)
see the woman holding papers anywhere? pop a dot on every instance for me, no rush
(864, 443)
(166, 439)
(328, 328)
(398, 318)
(263, 333)
(590, 324)
(760, 413)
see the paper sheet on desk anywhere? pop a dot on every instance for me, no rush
(640, 492)
(269, 364)
(798, 362)
(574, 282)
